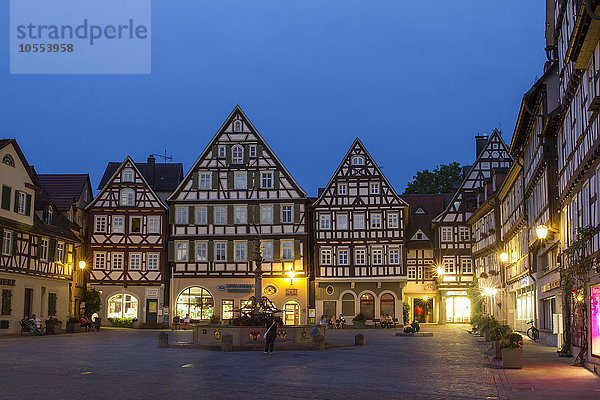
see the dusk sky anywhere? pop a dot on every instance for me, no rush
(416, 82)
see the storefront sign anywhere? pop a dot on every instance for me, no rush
(456, 293)
(524, 282)
(240, 287)
(291, 292)
(270, 290)
(7, 282)
(552, 285)
(152, 293)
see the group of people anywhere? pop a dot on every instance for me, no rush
(181, 323)
(386, 320)
(33, 324)
(333, 322)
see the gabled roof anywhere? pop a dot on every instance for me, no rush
(61, 225)
(167, 176)
(433, 204)
(28, 169)
(64, 189)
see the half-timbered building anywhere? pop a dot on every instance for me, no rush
(420, 291)
(128, 237)
(359, 223)
(37, 246)
(453, 234)
(238, 200)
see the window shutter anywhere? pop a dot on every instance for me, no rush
(250, 216)
(171, 251)
(276, 180)
(195, 180)
(256, 179)
(6, 197)
(191, 251)
(15, 239)
(215, 151)
(297, 250)
(230, 180)
(276, 214)
(276, 255)
(215, 179)
(296, 213)
(66, 248)
(51, 250)
(16, 200)
(191, 215)
(211, 250)
(228, 155)
(259, 150)
(246, 155)
(230, 214)
(28, 205)
(229, 246)
(210, 215)
(172, 214)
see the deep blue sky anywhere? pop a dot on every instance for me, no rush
(415, 81)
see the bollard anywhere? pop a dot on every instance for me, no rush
(227, 342)
(163, 340)
(359, 340)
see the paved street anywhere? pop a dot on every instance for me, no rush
(119, 364)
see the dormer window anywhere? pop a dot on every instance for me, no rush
(49, 215)
(127, 175)
(8, 160)
(127, 197)
(358, 160)
(237, 154)
(237, 126)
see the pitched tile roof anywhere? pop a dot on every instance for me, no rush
(63, 189)
(167, 176)
(433, 205)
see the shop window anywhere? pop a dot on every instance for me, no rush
(367, 305)
(387, 305)
(122, 306)
(227, 309)
(197, 302)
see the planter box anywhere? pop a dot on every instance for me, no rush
(359, 325)
(498, 350)
(53, 329)
(512, 358)
(74, 327)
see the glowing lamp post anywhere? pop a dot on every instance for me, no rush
(440, 271)
(541, 231)
(82, 265)
(291, 274)
(504, 257)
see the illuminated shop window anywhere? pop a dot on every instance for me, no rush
(122, 306)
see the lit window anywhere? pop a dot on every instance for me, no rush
(135, 261)
(205, 179)
(181, 251)
(377, 256)
(220, 215)
(266, 214)
(448, 263)
(376, 221)
(341, 221)
(118, 224)
(100, 223)
(122, 306)
(60, 252)
(374, 188)
(343, 257)
(201, 251)
(227, 308)
(127, 197)
(127, 175)
(287, 249)
(237, 154)
(154, 224)
(360, 256)
(196, 302)
(467, 265)
(181, 216)
(287, 214)
(220, 251)
(135, 225)
(342, 189)
(117, 261)
(325, 221)
(325, 257)
(393, 220)
(359, 221)
(201, 215)
(266, 180)
(358, 160)
(266, 250)
(153, 262)
(240, 215)
(99, 259)
(241, 251)
(240, 180)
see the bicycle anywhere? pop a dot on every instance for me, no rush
(533, 333)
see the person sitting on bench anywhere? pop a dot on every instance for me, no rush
(86, 323)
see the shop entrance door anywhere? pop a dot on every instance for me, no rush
(151, 311)
(423, 310)
(458, 309)
(291, 313)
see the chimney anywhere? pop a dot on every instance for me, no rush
(480, 141)
(150, 170)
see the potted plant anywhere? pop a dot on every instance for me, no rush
(215, 320)
(512, 351)
(359, 321)
(497, 334)
(486, 325)
(73, 325)
(53, 326)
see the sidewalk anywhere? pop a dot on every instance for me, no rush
(546, 376)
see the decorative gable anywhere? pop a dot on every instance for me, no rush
(419, 235)
(420, 211)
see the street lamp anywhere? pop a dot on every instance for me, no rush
(291, 274)
(504, 256)
(489, 291)
(440, 271)
(541, 232)
(82, 264)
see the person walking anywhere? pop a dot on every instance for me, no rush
(270, 335)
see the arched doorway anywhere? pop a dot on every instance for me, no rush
(387, 304)
(348, 305)
(197, 302)
(367, 305)
(122, 305)
(291, 313)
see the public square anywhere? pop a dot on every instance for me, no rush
(127, 364)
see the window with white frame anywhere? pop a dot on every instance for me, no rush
(448, 264)
(446, 233)
(266, 214)
(241, 251)
(100, 223)
(220, 251)
(181, 251)
(325, 221)
(127, 197)
(220, 215)
(412, 272)
(205, 179)
(153, 224)
(118, 224)
(359, 221)
(377, 255)
(99, 260)
(464, 234)
(21, 202)
(240, 215)
(60, 252)
(49, 215)
(358, 160)
(127, 175)
(44, 250)
(153, 262)
(360, 256)
(394, 256)
(287, 249)
(376, 221)
(117, 261)
(341, 221)
(181, 215)
(240, 180)
(266, 250)
(201, 251)
(287, 214)
(393, 220)
(343, 257)
(237, 154)
(325, 257)
(466, 265)
(201, 215)
(252, 151)
(135, 261)
(374, 188)
(222, 151)
(7, 243)
(342, 189)
(237, 126)
(266, 180)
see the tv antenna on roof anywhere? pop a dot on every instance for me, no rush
(165, 157)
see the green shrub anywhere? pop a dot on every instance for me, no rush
(214, 319)
(406, 312)
(360, 317)
(512, 341)
(500, 332)
(122, 322)
(92, 302)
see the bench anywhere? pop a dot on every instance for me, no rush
(393, 323)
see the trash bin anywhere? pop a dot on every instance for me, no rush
(98, 323)
(227, 342)
(163, 340)
(359, 340)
